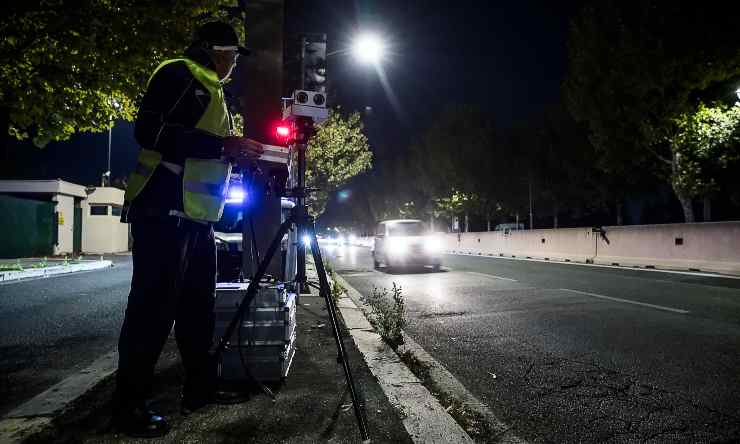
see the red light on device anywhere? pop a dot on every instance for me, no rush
(282, 131)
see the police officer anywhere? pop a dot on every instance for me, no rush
(173, 197)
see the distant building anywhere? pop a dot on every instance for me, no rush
(54, 217)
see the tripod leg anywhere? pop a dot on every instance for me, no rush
(332, 309)
(301, 278)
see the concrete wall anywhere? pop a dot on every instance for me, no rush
(704, 246)
(713, 246)
(65, 210)
(104, 233)
(575, 244)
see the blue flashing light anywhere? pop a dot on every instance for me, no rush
(236, 195)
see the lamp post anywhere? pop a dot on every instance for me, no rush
(105, 179)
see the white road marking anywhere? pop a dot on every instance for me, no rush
(627, 301)
(491, 276)
(562, 262)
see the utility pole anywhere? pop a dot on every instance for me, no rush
(110, 136)
(531, 220)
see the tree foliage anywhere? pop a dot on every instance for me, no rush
(465, 165)
(707, 142)
(70, 66)
(638, 69)
(337, 152)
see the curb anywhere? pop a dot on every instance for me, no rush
(36, 415)
(424, 418)
(7, 276)
(440, 376)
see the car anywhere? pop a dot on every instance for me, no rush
(405, 242)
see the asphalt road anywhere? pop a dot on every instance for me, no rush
(568, 353)
(53, 327)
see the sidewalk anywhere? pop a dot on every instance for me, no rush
(309, 408)
(24, 268)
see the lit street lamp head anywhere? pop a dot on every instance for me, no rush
(368, 48)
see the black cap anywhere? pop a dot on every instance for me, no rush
(219, 34)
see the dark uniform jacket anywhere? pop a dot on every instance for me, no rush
(173, 104)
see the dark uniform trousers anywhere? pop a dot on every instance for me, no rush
(174, 281)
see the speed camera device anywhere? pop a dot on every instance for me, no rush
(307, 104)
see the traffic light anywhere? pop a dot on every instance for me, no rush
(284, 133)
(314, 62)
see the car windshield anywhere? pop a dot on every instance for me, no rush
(406, 229)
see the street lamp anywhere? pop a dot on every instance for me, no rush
(368, 48)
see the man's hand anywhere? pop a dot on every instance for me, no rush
(244, 151)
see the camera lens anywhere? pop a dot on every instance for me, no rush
(319, 99)
(301, 97)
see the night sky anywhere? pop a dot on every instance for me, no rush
(508, 57)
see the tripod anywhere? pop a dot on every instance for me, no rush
(300, 220)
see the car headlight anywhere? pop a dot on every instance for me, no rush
(432, 244)
(397, 246)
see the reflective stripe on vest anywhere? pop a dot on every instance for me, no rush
(145, 166)
(204, 188)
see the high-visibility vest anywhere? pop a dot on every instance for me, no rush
(205, 181)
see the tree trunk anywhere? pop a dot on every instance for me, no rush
(620, 219)
(707, 208)
(467, 226)
(688, 209)
(555, 210)
(488, 223)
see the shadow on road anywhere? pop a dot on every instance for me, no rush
(410, 270)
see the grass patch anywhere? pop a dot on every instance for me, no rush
(337, 289)
(387, 314)
(11, 267)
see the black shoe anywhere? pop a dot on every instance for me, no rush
(141, 422)
(191, 404)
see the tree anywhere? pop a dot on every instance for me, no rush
(71, 66)
(452, 205)
(562, 163)
(336, 153)
(454, 159)
(635, 68)
(704, 143)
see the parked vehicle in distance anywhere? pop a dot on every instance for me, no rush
(509, 227)
(405, 242)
